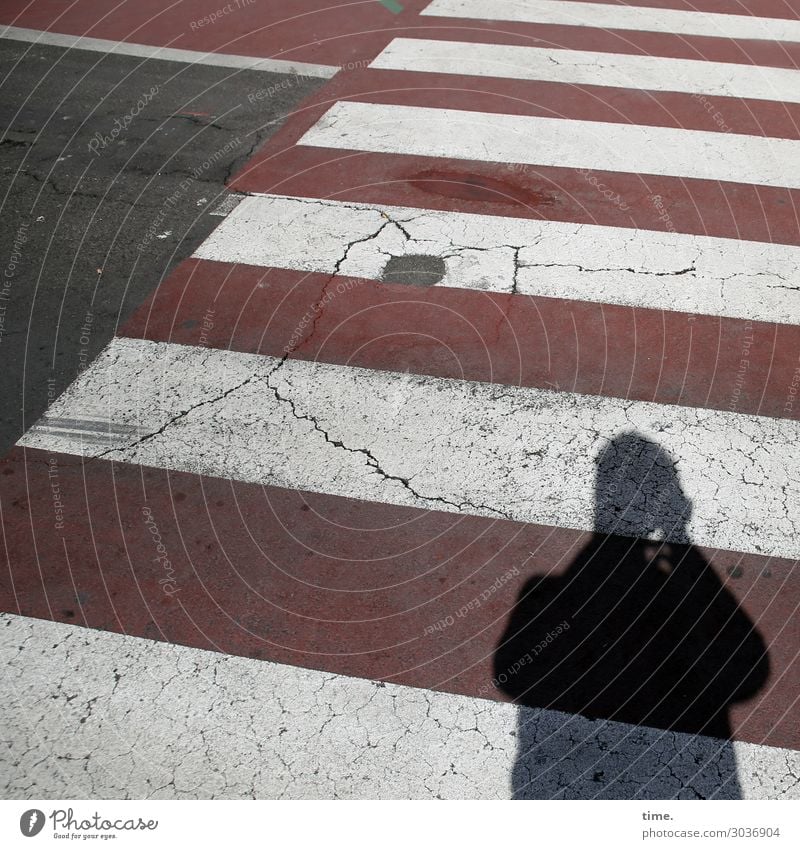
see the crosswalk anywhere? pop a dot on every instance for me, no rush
(354, 485)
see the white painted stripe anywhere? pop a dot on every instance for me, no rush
(622, 16)
(280, 731)
(671, 271)
(522, 139)
(167, 54)
(492, 450)
(579, 67)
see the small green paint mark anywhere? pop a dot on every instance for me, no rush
(392, 6)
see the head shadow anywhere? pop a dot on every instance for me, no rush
(626, 663)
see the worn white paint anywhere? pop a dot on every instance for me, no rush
(90, 714)
(588, 68)
(620, 16)
(557, 142)
(616, 265)
(167, 54)
(493, 450)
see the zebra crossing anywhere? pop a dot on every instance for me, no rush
(330, 470)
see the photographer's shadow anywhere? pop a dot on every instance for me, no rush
(638, 630)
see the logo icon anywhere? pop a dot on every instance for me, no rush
(31, 822)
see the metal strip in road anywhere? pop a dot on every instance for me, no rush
(500, 451)
(167, 54)
(549, 343)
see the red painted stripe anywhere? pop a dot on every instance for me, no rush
(566, 100)
(317, 31)
(597, 349)
(703, 207)
(750, 52)
(352, 587)
(699, 207)
(320, 31)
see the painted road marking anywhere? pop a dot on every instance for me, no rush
(625, 17)
(346, 586)
(598, 145)
(517, 453)
(422, 744)
(579, 346)
(167, 54)
(657, 270)
(586, 68)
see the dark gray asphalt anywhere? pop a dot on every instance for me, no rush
(108, 181)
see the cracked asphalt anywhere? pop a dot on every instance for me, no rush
(241, 568)
(282, 732)
(517, 256)
(104, 192)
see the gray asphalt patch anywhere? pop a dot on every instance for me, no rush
(414, 270)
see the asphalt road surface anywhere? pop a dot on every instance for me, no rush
(112, 170)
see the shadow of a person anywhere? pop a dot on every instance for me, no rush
(638, 630)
